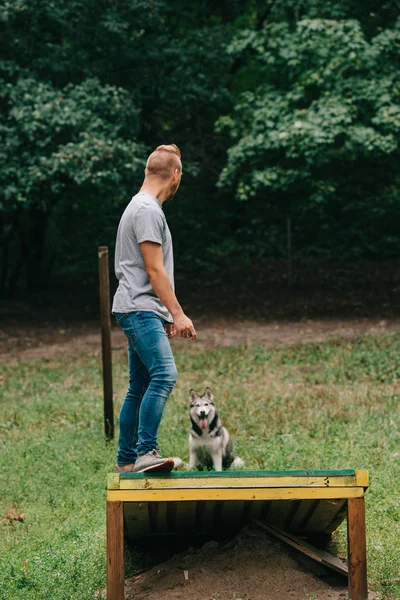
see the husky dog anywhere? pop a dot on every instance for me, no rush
(209, 442)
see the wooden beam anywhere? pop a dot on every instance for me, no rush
(171, 495)
(320, 556)
(104, 284)
(357, 551)
(115, 551)
(362, 478)
(158, 483)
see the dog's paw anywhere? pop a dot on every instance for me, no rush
(179, 464)
(237, 463)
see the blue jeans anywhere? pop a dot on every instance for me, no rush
(152, 376)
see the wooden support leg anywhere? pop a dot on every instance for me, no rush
(357, 550)
(115, 551)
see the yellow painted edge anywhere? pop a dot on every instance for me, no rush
(362, 478)
(235, 482)
(113, 481)
(233, 494)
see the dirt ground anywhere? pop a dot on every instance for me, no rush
(47, 342)
(252, 566)
(237, 306)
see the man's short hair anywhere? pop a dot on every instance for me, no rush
(163, 161)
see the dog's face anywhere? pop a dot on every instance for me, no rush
(202, 409)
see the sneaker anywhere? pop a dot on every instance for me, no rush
(152, 461)
(124, 468)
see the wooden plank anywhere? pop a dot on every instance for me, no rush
(362, 478)
(230, 474)
(323, 515)
(137, 519)
(321, 556)
(172, 509)
(232, 515)
(294, 507)
(278, 512)
(169, 482)
(247, 508)
(168, 495)
(357, 551)
(185, 517)
(153, 516)
(205, 516)
(115, 551)
(256, 508)
(340, 517)
(113, 481)
(305, 509)
(162, 522)
(218, 512)
(104, 287)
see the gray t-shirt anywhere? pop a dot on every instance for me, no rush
(143, 221)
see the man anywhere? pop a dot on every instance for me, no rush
(148, 312)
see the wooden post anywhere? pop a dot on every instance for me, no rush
(104, 281)
(289, 251)
(115, 551)
(357, 550)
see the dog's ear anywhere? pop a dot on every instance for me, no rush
(193, 396)
(208, 394)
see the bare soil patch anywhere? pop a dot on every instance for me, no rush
(252, 566)
(47, 342)
(236, 305)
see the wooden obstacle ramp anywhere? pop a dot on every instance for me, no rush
(210, 504)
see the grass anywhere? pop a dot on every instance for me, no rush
(331, 405)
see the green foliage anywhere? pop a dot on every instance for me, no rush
(57, 139)
(87, 90)
(291, 106)
(68, 147)
(317, 136)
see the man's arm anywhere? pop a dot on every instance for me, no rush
(154, 263)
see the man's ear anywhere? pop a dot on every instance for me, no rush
(208, 394)
(193, 397)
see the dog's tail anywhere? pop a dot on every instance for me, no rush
(179, 465)
(238, 463)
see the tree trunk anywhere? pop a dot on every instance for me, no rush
(35, 271)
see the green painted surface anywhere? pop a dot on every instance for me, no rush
(199, 474)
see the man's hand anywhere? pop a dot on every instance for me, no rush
(184, 326)
(154, 263)
(170, 330)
